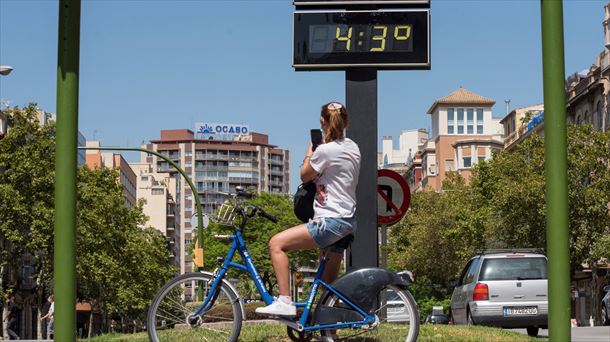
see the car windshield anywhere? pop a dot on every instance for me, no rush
(512, 268)
(392, 296)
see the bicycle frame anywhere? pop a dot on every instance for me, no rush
(300, 322)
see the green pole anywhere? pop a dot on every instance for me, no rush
(556, 170)
(65, 169)
(172, 163)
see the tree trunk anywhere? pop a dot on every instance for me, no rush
(4, 324)
(90, 330)
(597, 317)
(39, 323)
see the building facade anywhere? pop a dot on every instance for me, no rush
(464, 132)
(96, 159)
(218, 158)
(520, 122)
(409, 143)
(159, 192)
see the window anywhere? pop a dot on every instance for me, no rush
(450, 120)
(470, 121)
(513, 269)
(144, 178)
(460, 118)
(449, 165)
(481, 159)
(467, 161)
(188, 153)
(188, 164)
(480, 121)
(472, 270)
(599, 116)
(158, 191)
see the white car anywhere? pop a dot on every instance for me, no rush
(503, 288)
(395, 308)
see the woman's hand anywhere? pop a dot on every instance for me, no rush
(307, 172)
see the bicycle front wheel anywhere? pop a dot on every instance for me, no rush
(171, 317)
(397, 319)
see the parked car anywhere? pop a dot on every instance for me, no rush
(436, 319)
(606, 306)
(503, 288)
(396, 309)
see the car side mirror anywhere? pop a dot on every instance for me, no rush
(607, 288)
(453, 283)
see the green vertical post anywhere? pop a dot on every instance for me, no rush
(558, 249)
(65, 170)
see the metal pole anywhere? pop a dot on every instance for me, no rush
(556, 170)
(65, 169)
(180, 171)
(361, 102)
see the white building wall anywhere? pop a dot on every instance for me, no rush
(435, 124)
(411, 140)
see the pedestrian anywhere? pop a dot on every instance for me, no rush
(50, 316)
(12, 316)
(334, 166)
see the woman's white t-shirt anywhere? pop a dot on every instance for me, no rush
(338, 166)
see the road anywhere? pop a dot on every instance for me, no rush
(581, 334)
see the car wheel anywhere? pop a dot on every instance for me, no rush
(469, 320)
(532, 331)
(605, 318)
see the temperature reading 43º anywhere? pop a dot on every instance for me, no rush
(340, 38)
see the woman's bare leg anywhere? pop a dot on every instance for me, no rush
(295, 238)
(332, 266)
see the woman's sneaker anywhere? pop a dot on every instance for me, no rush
(278, 308)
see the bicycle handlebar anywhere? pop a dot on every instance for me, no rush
(264, 214)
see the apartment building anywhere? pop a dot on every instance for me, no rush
(218, 158)
(464, 132)
(159, 192)
(96, 159)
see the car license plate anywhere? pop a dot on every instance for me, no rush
(521, 311)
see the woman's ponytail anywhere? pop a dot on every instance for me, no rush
(336, 115)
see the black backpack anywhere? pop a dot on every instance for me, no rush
(303, 201)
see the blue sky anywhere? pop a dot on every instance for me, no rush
(152, 65)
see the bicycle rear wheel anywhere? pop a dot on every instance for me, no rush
(398, 319)
(170, 317)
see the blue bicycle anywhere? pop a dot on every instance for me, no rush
(371, 304)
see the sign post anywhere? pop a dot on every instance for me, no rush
(361, 37)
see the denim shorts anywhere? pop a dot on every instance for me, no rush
(326, 231)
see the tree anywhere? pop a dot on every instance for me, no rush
(257, 234)
(119, 266)
(437, 236)
(26, 200)
(505, 207)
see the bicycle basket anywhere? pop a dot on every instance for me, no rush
(226, 214)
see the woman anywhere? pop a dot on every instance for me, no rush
(334, 166)
(50, 316)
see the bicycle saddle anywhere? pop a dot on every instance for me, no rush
(342, 244)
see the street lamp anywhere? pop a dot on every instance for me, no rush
(5, 69)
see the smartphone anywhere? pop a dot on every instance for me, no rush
(316, 138)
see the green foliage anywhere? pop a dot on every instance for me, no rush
(119, 265)
(257, 233)
(440, 231)
(504, 206)
(26, 195)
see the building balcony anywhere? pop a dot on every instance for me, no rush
(211, 168)
(243, 180)
(276, 183)
(276, 161)
(277, 172)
